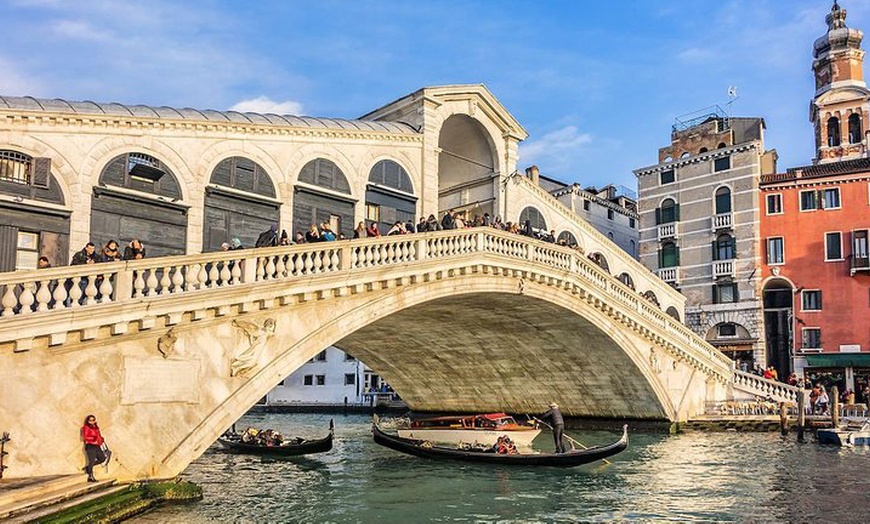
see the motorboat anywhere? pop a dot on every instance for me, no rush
(852, 434)
(298, 446)
(426, 449)
(481, 429)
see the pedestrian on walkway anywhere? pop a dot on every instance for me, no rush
(93, 440)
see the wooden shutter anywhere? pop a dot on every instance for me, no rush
(715, 251)
(8, 247)
(733, 247)
(658, 214)
(676, 212)
(41, 174)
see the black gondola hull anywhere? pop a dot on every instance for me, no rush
(563, 460)
(286, 450)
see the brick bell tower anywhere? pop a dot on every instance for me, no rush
(839, 111)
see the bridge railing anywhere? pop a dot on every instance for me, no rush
(38, 292)
(765, 388)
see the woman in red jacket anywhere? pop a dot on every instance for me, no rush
(93, 445)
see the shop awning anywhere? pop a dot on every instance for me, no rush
(839, 360)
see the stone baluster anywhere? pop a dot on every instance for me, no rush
(270, 268)
(151, 282)
(106, 289)
(299, 264)
(60, 294)
(43, 296)
(75, 292)
(165, 282)
(220, 277)
(177, 280)
(138, 284)
(336, 258)
(280, 267)
(90, 290)
(9, 301)
(240, 266)
(370, 256)
(26, 298)
(191, 277)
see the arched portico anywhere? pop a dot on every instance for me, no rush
(467, 165)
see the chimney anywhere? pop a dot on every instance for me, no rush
(534, 174)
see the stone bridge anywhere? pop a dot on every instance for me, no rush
(169, 352)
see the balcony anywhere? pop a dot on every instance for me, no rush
(724, 268)
(859, 263)
(668, 230)
(722, 221)
(669, 274)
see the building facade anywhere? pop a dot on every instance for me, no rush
(815, 227)
(699, 226)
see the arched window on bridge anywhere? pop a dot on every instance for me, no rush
(27, 229)
(322, 194)
(390, 195)
(566, 238)
(626, 279)
(240, 202)
(668, 212)
(673, 313)
(649, 295)
(139, 197)
(735, 341)
(534, 218)
(599, 259)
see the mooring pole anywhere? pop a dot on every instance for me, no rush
(835, 407)
(802, 416)
(783, 419)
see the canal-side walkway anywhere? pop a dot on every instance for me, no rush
(29, 499)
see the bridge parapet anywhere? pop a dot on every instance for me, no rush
(52, 302)
(762, 387)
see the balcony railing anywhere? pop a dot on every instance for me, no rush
(669, 274)
(667, 230)
(722, 221)
(723, 269)
(859, 263)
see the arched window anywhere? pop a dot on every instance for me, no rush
(534, 217)
(724, 247)
(669, 212)
(243, 174)
(565, 238)
(324, 173)
(723, 200)
(141, 172)
(599, 259)
(389, 195)
(673, 313)
(649, 295)
(626, 279)
(314, 207)
(833, 131)
(669, 255)
(854, 128)
(721, 145)
(632, 249)
(702, 150)
(685, 154)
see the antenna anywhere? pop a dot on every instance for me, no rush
(732, 96)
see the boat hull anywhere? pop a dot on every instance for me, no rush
(563, 460)
(306, 447)
(486, 437)
(842, 437)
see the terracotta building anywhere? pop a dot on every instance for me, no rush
(814, 225)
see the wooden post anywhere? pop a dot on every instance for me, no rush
(802, 418)
(783, 419)
(835, 407)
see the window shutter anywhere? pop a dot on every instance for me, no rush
(676, 212)
(677, 252)
(820, 200)
(715, 294)
(715, 251)
(733, 247)
(8, 247)
(661, 258)
(41, 173)
(658, 215)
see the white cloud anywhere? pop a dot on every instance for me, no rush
(17, 83)
(556, 149)
(80, 30)
(264, 104)
(695, 54)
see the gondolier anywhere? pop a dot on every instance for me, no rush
(557, 423)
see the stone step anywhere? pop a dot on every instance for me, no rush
(32, 494)
(37, 513)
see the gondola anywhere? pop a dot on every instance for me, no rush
(422, 448)
(298, 446)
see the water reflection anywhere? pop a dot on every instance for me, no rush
(716, 477)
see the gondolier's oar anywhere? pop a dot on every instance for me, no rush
(571, 440)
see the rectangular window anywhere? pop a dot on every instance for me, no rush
(812, 338)
(308, 380)
(610, 214)
(774, 204)
(373, 212)
(724, 293)
(831, 198)
(722, 164)
(349, 379)
(775, 251)
(727, 330)
(586, 205)
(631, 223)
(808, 200)
(667, 177)
(833, 246)
(321, 380)
(320, 357)
(811, 300)
(27, 252)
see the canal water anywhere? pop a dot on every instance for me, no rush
(693, 477)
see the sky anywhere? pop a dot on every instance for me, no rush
(597, 85)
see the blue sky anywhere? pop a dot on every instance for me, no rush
(596, 84)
